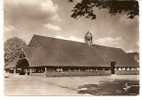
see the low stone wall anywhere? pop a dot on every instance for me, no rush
(61, 74)
(124, 72)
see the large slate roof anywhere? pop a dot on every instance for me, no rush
(47, 51)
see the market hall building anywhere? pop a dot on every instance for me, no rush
(56, 57)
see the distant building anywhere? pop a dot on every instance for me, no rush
(52, 56)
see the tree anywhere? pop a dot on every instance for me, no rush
(23, 64)
(13, 49)
(86, 8)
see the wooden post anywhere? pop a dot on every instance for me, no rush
(78, 69)
(26, 71)
(69, 70)
(14, 69)
(45, 72)
(103, 69)
(113, 67)
(30, 73)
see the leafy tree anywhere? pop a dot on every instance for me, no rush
(23, 64)
(86, 8)
(13, 49)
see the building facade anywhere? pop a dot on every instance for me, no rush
(56, 57)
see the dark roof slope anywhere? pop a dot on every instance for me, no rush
(115, 54)
(56, 52)
(134, 55)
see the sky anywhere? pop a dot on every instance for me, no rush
(23, 18)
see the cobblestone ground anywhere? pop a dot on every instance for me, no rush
(33, 85)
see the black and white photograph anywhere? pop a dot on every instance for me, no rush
(71, 48)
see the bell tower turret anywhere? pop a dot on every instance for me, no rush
(88, 38)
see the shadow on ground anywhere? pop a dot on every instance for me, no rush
(117, 87)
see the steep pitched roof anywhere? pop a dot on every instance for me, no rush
(115, 54)
(57, 52)
(134, 55)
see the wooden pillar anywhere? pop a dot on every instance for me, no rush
(113, 67)
(69, 69)
(61, 69)
(14, 70)
(78, 69)
(45, 72)
(26, 71)
(103, 69)
(30, 71)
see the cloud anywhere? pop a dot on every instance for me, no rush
(72, 38)
(30, 16)
(52, 18)
(60, 37)
(119, 42)
(52, 27)
(109, 41)
(9, 28)
(30, 10)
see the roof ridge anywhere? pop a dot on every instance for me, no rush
(42, 36)
(35, 35)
